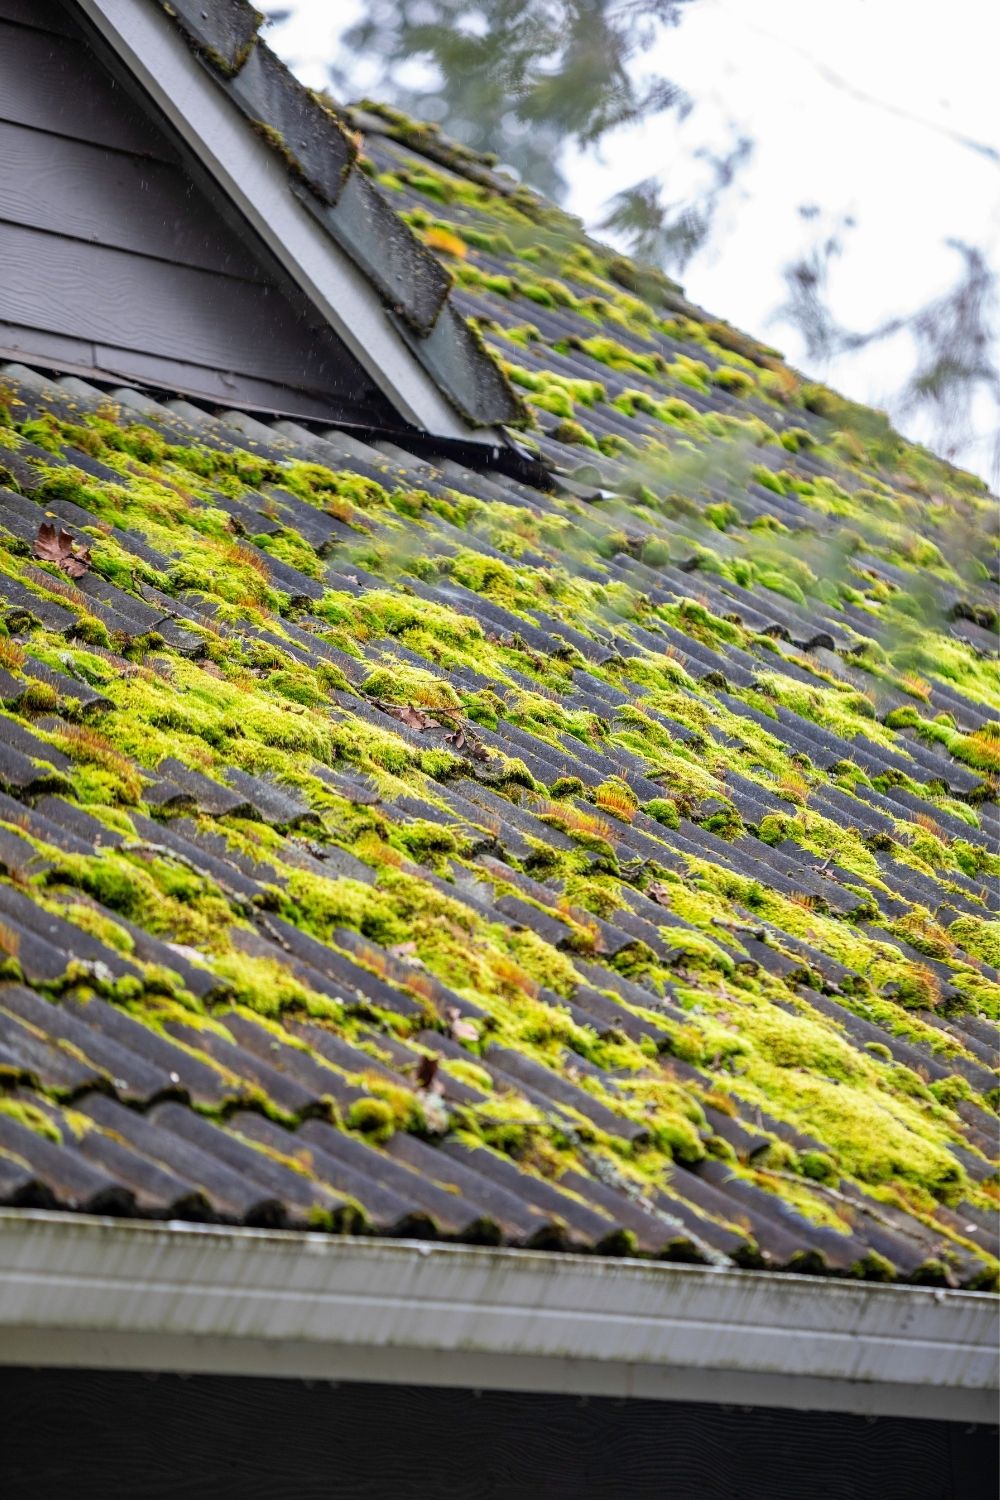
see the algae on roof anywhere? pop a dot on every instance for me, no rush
(663, 803)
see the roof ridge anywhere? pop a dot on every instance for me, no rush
(317, 145)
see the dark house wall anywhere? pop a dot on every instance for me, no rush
(86, 1434)
(112, 258)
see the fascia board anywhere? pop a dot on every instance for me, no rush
(89, 1292)
(248, 172)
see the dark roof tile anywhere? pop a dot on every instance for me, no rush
(385, 1210)
(585, 1226)
(273, 803)
(232, 1192)
(129, 1074)
(252, 1075)
(57, 820)
(302, 1198)
(49, 944)
(317, 1081)
(507, 1062)
(159, 837)
(31, 1056)
(531, 956)
(521, 1222)
(408, 277)
(198, 1080)
(226, 30)
(73, 1181)
(315, 146)
(21, 1186)
(20, 858)
(452, 1214)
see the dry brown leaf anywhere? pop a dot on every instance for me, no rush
(466, 743)
(427, 1074)
(57, 546)
(406, 713)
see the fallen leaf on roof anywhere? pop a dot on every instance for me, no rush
(446, 243)
(408, 714)
(458, 736)
(57, 546)
(437, 1116)
(430, 1086)
(466, 744)
(427, 1071)
(459, 1029)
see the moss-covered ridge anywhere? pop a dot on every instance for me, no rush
(656, 814)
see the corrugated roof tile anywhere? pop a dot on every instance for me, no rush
(605, 1015)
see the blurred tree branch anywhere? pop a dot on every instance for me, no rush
(520, 78)
(525, 80)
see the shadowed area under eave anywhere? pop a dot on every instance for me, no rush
(395, 848)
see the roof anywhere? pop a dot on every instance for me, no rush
(392, 847)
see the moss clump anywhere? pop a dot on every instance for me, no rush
(818, 1166)
(664, 811)
(737, 382)
(572, 432)
(31, 1118)
(373, 1118)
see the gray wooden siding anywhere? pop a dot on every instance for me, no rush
(114, 260)
(44, 15)
(113, 198)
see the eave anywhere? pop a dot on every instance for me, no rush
(91, 1292)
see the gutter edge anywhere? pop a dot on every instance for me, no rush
(91, 1292)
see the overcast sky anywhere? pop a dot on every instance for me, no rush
(865, 108)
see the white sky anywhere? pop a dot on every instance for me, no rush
(858, 106)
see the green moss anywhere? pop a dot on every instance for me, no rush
(31, 1118)
(818, 1166)
(373, 1118)
(664, 811)
(321, 905)
(572, 432)
(737, 382)
(256, 704)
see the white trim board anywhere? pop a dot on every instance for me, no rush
(93, 1292)
(256, 181)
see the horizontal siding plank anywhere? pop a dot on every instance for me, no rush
(44, 15)
(222, 388)
(110, 198)
(31, 346)
(128, 367)
(54, 83)
(86, 1433)
(111, 297)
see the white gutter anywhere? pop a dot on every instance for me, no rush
(253, 178)
(106, 1293)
